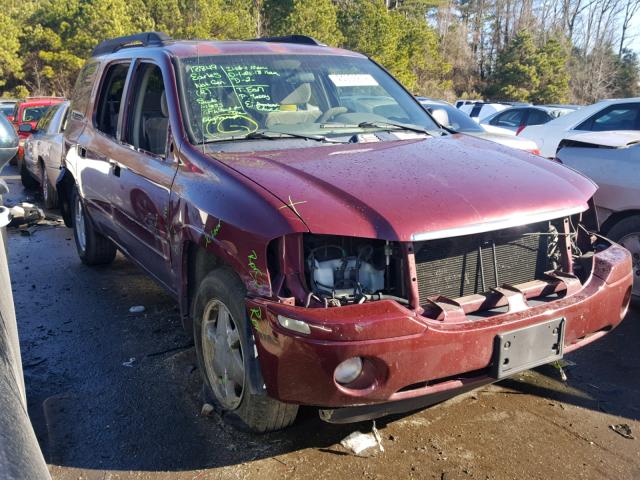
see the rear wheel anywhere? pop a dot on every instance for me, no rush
(49, 196)
(93, 248)
(626, 232)
(225, 349)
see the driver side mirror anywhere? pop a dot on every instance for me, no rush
(441, 116)
(25, 128)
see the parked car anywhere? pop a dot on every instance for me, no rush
(19, 449)
(449, 116)
(516, 119)
(611, 159)
(26, 115)
(43, 152)
(366, 262)
(7, 106)
(480, 110)
(606, 115)
(460, 103)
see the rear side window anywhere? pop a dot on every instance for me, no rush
(44, 122)
(82, 90)
(110, 98)
(538, 117)
(148, 122)
(33, 114)
(512, 119)
(616, 117)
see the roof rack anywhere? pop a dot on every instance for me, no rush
(138, 40)
(299, 39)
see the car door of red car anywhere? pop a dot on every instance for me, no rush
(143, 178)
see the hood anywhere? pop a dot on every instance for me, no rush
(414, 189)
(614, 139)
(507, 140)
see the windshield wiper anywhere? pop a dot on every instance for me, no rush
(402, 126)
(274, 135)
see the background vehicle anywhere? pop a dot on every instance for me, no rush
(611, 159)
(43, 153)
(517, 118)
(19, 450)
(607, 115)
(480, 110)
(451, 117)
(7, 106)
(26, 115)
(310, 217)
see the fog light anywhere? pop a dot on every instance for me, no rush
(348, 370)
(294, 325)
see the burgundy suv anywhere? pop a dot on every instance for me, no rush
(328, 242)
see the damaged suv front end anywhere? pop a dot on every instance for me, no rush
(364, 325)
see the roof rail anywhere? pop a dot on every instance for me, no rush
(299, 39)
(138, 40)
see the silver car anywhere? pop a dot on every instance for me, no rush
(43, 153)
(611, 160)
(452, 118)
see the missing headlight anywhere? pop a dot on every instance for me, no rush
(343, 270)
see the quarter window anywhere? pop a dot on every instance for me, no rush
(148, 123)
(110, 99)
(537, 117)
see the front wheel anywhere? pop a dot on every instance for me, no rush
(49, 195)
(626, 232)
(225, 349)
(27, 180)
(93, 248)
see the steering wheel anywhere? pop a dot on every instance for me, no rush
(329, 114)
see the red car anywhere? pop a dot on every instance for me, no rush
(26, 114)
(328, 242)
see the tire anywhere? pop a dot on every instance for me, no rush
(626, 232)
(93, 248)
(222, 290)
(49, 195)
(28, 181)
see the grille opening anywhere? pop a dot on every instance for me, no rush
(473, 264)
(473, 375)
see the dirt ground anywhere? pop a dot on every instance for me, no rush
(115, 395)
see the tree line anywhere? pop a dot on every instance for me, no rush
(543, 51)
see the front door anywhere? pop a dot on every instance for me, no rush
(143, 177)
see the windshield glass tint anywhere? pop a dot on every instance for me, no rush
(232, 96)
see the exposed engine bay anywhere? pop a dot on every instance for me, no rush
(346, 270)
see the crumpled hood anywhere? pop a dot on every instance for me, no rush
(400, 190)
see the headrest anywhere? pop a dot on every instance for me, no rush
(299, 96)
(163, 104)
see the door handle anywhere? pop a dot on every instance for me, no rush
(82, 152)
(115, 167)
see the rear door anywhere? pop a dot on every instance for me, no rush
(143, 177)
(53, 144)
(98, 147)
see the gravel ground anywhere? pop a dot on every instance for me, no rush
(115, 395)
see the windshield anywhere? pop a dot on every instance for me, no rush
(33, 114)
(232, 96)
(458, 121)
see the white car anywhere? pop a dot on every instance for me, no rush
(479, 110)
(611, 160)
(606, 115)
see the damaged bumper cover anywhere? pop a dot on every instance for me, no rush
(410, 360)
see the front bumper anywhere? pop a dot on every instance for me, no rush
(410, 356)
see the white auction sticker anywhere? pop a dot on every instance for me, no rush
(353, 80)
